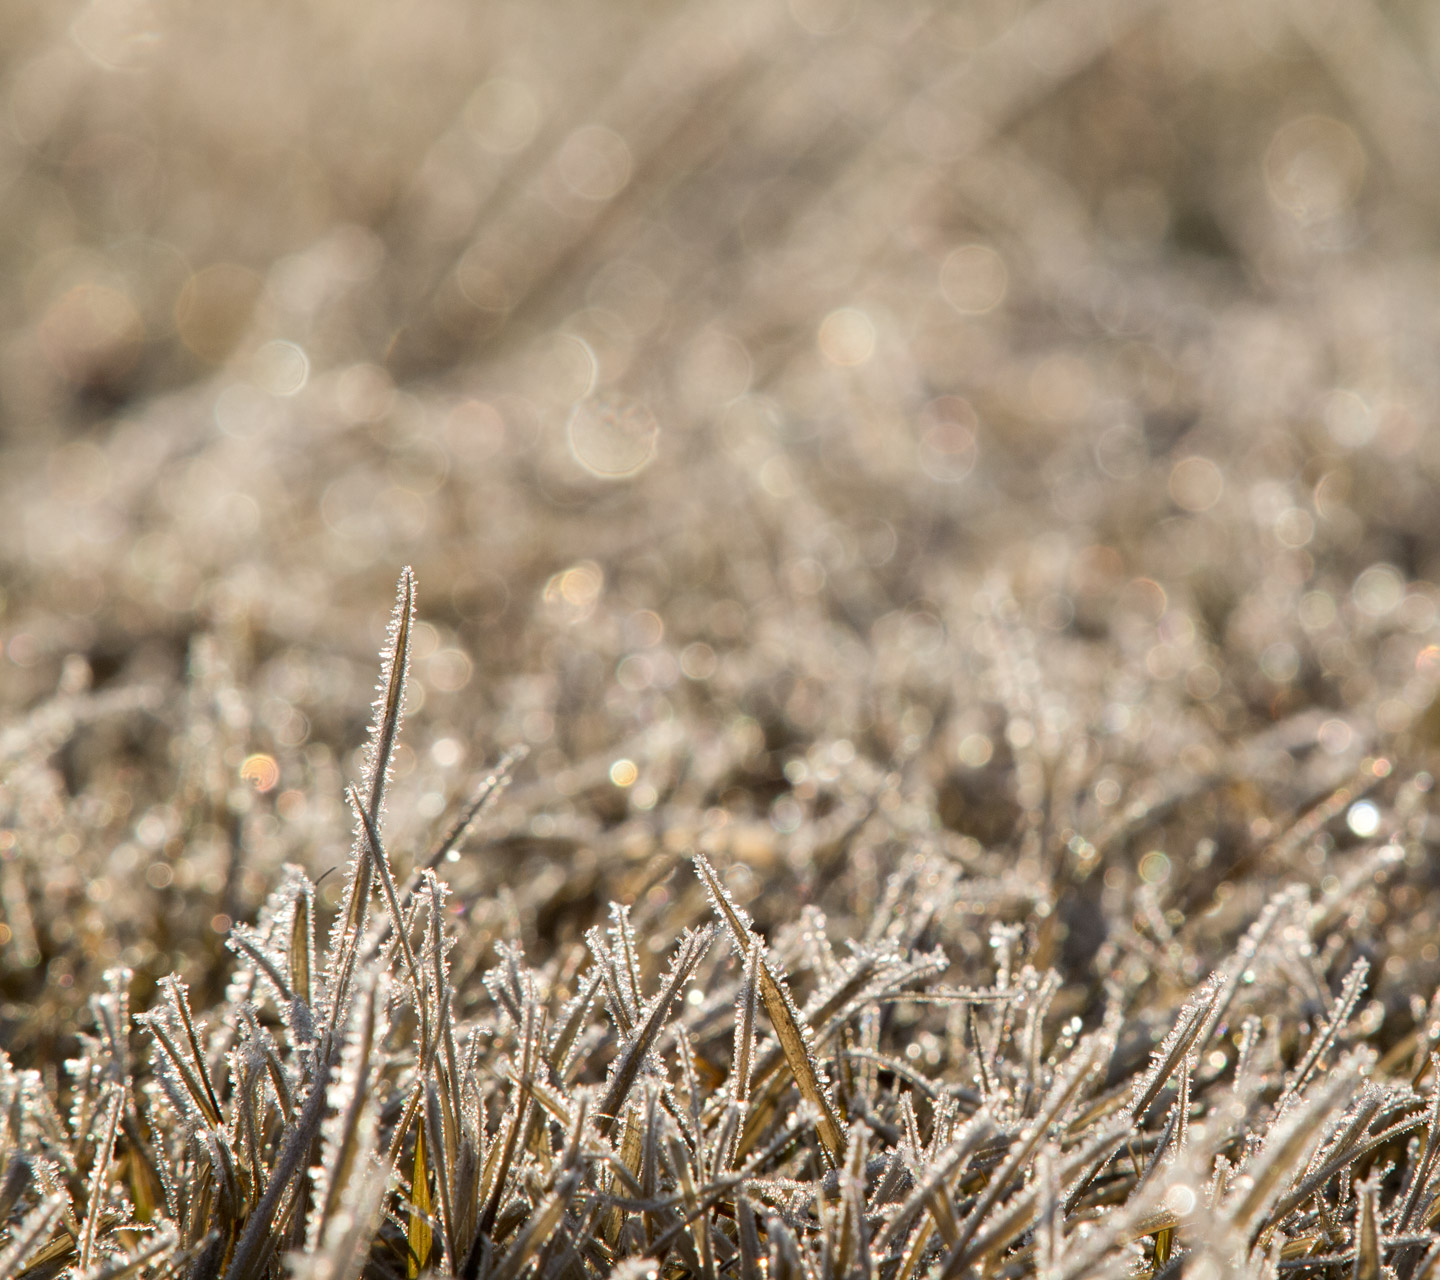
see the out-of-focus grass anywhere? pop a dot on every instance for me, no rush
(827, 434)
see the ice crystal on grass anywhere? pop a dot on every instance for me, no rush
(926, 1105)
(350, 924)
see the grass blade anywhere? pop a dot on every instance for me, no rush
(794, 1041)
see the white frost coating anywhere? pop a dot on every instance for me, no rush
(1165, 1059)
(1271, 1167)
(1283, 906)
(639, 1047)
(349, 1133)
(746, 1000)
(774, 991)
(351, 921)
(1350, 992)
(32, 1229)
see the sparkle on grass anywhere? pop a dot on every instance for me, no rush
(260, 771)
(1155, 867)
(1180, 1199)
(1363, 819)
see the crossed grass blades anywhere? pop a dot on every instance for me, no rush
(333, 1117)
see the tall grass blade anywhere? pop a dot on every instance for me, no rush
(784, 1017)
(419, 1235)
(350, 925)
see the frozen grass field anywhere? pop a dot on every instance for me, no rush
(904, 736)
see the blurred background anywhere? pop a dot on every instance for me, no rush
(1013, 419)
